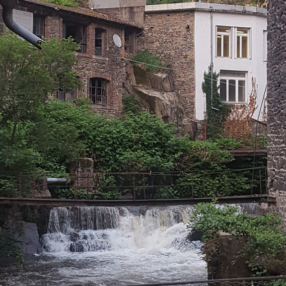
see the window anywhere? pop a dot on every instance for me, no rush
(73, 94)
(223, 42)
(242, 36)
(99, 42)
(128, 41)
(39, 26)
(61, 95)
(232, 86)
(64, 95)
(98, 90)
(77, 32)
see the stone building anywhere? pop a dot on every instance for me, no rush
(186, 36)
(191, 36)
(103, 40)
(277, 105)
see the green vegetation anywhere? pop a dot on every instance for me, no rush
(71, 3)
(217, 111)
(45, 136)
(152, 63)
(263, 236)
(27, 77)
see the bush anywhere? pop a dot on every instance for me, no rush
(152, 63)
(264, 235)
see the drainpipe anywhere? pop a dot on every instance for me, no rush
(7, 15)
(212, 61)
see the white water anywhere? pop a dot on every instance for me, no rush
(116, 246)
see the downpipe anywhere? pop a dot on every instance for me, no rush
(7, 15)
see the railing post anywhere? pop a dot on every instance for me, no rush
(192, 176)
(266, 180)
(133, 187)
(34, 185)
(20, 184)
(144, 187)
(260, 182)
(204, 184)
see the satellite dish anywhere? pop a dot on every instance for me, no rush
(117, 41)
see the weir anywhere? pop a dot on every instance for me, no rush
(123, 245)
(91, 245)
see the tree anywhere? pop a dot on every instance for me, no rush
(216, 110)
(28, 76)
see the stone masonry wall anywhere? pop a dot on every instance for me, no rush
(277, 104)
(170, 36)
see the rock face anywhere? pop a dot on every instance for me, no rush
(156, 95)
(226, 264)
(29, 240)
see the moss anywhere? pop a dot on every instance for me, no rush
(70, 3)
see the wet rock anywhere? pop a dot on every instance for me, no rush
(195, 235)
(76, 247)
(29, 239)
(74, 236)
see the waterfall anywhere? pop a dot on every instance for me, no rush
(84, 229)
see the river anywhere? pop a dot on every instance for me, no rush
(113, 246)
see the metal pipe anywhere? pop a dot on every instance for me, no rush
(7, 15)
(212, 61)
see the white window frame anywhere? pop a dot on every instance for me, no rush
(222, 34)
(236, 79)
(240, 36)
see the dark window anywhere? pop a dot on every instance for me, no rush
(61, 95)
(39, 26)
(98, 90)
(223, 89)
(77, 32)
(98, 42)
(127, 43)
(73, 94)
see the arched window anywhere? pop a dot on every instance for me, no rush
(98, 90)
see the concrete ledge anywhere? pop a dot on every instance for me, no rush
(205, 7)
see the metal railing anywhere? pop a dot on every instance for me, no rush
(138, 185)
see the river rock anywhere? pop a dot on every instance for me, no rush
(28, 239)
(74, 236)
(76, 247)
(195, 235)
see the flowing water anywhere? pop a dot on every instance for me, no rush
(113, 246)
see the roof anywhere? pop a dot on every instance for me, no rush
(206, 7)
(82, 11)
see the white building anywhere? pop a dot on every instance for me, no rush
(234, 39)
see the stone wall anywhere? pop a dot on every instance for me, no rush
(130, 14)
(276, 102)
(170, 36)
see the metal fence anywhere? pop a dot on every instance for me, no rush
(137, 185)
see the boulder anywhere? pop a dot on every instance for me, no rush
(28, 239)
(76, 247)
(195, 235)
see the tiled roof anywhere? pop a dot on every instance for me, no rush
(82, 11)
